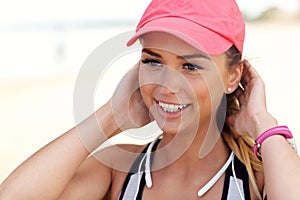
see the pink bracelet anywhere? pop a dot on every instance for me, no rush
(278, 130)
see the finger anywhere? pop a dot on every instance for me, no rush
(231, 119)
(239, 93)
(245, 75)
(250, 69)
(136, 66)
(130, 79)
(249, 74)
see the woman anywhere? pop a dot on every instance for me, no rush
(190, 64)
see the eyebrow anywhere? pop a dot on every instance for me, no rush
(152, 53)
(184, 57)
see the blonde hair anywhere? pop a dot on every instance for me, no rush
(242, 146)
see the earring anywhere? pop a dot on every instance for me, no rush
(229, 89)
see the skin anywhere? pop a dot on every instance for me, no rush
(168, 78)
(63, 170)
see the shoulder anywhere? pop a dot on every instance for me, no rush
(119, 157)
(102, 170)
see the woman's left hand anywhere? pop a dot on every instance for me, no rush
(253, 117)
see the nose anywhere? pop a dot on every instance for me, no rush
(170, 81)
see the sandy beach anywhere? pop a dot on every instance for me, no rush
(35, 111)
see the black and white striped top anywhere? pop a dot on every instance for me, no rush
(135, 181)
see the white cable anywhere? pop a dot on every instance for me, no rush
(148, 164)
(203, 190)
(236, 181)
(212, 181)
(139, 176)
(147, 167)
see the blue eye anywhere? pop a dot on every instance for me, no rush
(152, 62)
(191, 67)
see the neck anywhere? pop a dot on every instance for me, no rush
(186, 151)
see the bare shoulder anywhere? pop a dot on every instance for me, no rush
(95, 176)
(119, 157)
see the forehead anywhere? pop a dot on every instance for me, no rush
(168, 42)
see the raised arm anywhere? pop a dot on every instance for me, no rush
(281, 163)
(48, 172)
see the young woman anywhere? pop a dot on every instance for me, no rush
(209, 104)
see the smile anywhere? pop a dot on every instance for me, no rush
(172, 107)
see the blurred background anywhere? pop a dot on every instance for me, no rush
(43, 44)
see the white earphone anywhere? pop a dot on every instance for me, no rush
(202, 190)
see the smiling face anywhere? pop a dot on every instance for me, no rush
(181, 86)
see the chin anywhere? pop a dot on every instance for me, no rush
(174, 128)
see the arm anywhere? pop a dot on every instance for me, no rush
(281, 162)
(60, 166)
(91, 181)
(46, 174)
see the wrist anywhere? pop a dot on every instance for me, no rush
(262, 123)
(97, 128)
(275, 131)
(106, 121)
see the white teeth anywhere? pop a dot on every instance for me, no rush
(171, 107)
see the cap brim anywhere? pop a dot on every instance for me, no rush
(194, 34)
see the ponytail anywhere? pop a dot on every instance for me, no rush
(242, 146)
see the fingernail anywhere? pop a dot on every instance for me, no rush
(246, 62)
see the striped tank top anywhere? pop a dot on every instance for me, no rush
(135, 181)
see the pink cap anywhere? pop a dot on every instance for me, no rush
(212, 26)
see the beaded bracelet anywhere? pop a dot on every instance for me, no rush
(278, 130)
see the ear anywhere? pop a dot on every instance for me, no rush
(234, 78)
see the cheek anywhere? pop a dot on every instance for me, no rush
(215, 86)
(147, 94)
(202, 93)
(207, 93)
